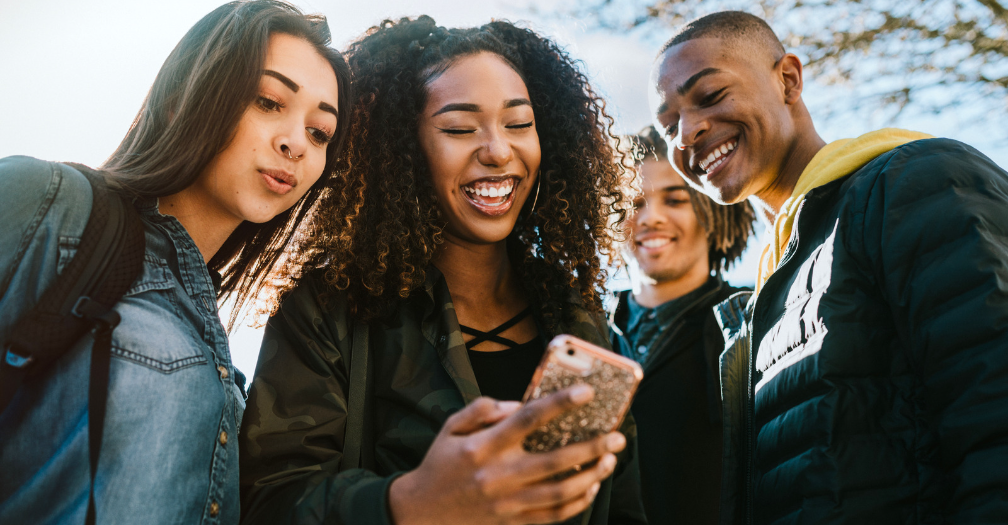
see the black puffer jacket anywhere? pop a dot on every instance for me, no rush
(678, 409)
(878, 388)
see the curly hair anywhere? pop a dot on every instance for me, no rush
(375, 234)
(728, 227)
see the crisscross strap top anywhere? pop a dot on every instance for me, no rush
(494, 335)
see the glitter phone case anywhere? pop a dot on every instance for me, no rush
(569, 361)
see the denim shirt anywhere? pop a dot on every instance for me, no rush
(170, 451)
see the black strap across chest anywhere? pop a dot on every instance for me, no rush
(494, 335)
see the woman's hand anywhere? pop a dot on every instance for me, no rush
(476, 471)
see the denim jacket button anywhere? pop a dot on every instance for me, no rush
(223, 437)
(223, 371)
(214, 509)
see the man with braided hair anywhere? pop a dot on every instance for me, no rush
(865, 381)
(678, 243)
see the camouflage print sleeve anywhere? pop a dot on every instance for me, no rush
(291, 439)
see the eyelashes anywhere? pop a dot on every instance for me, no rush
(318, 136)
(466, 131)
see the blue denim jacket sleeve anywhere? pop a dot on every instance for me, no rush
(169, 452)
(43, 210)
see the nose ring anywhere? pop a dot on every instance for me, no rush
(287, 149)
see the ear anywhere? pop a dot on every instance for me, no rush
(789, 71)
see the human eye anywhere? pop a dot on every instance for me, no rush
(320, 137)
(457, 131)
(672, 129)
(677, 198)
(524, 125)
(713, 98)
(267, 103)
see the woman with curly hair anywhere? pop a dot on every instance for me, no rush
(479, 191)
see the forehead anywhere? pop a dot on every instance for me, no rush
(681, 61)
(473, 78)
(656, 175)
(298, 60)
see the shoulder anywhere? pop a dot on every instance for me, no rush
(922, 168)
(26, 181)
(314, 307)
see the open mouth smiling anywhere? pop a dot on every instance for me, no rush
(653, 242)
(716, 157)
(491, 195)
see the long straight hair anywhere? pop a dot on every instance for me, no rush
(192, 112)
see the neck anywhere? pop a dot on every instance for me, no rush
(480, 279)
(208, 230)
(805, 146)
(653, 292)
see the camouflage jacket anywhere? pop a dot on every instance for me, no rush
(291, 440)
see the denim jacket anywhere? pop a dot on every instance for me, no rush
(170, 451)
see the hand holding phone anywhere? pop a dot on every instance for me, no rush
(569, 361)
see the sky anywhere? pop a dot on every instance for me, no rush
(73, 74)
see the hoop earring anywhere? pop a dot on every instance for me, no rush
(536, 199)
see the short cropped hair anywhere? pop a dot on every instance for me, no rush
(737, 27)
(728, 227)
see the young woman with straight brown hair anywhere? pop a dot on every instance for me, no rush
(233, 145)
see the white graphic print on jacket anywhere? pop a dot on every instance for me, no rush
(800, 332)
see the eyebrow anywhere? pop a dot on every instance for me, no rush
(690, 82)
(669, 189)
(474, 108)
(286, 81)
(694, 79)
(324, 106)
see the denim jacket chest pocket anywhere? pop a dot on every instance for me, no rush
(154, 331)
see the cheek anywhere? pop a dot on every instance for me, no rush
(530, 153)
(679, 164)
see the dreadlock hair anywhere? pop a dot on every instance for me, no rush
(376, 237)
(728, 227)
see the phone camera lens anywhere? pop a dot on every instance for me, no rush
(570, 351)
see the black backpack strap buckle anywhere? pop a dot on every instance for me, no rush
(16, 360)
(87, 308)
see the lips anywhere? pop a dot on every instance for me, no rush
(653, 243)
(278, 181)
(491, 195)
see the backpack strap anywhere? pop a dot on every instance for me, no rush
(356, 399)
(108, 259)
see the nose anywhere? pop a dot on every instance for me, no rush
(692, 125)
(496, 151)
(647, 216)
(291, 141)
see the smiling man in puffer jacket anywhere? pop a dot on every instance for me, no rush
(866, 381)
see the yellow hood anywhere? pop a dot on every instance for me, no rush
(837, 159)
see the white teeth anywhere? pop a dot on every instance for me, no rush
(490, 191)
(654, 243)
(716, 157)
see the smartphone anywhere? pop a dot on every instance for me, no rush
(569, 361)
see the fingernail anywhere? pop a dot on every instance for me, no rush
(508, 406)
(609, 462)
(615, 442)
(581, 393)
